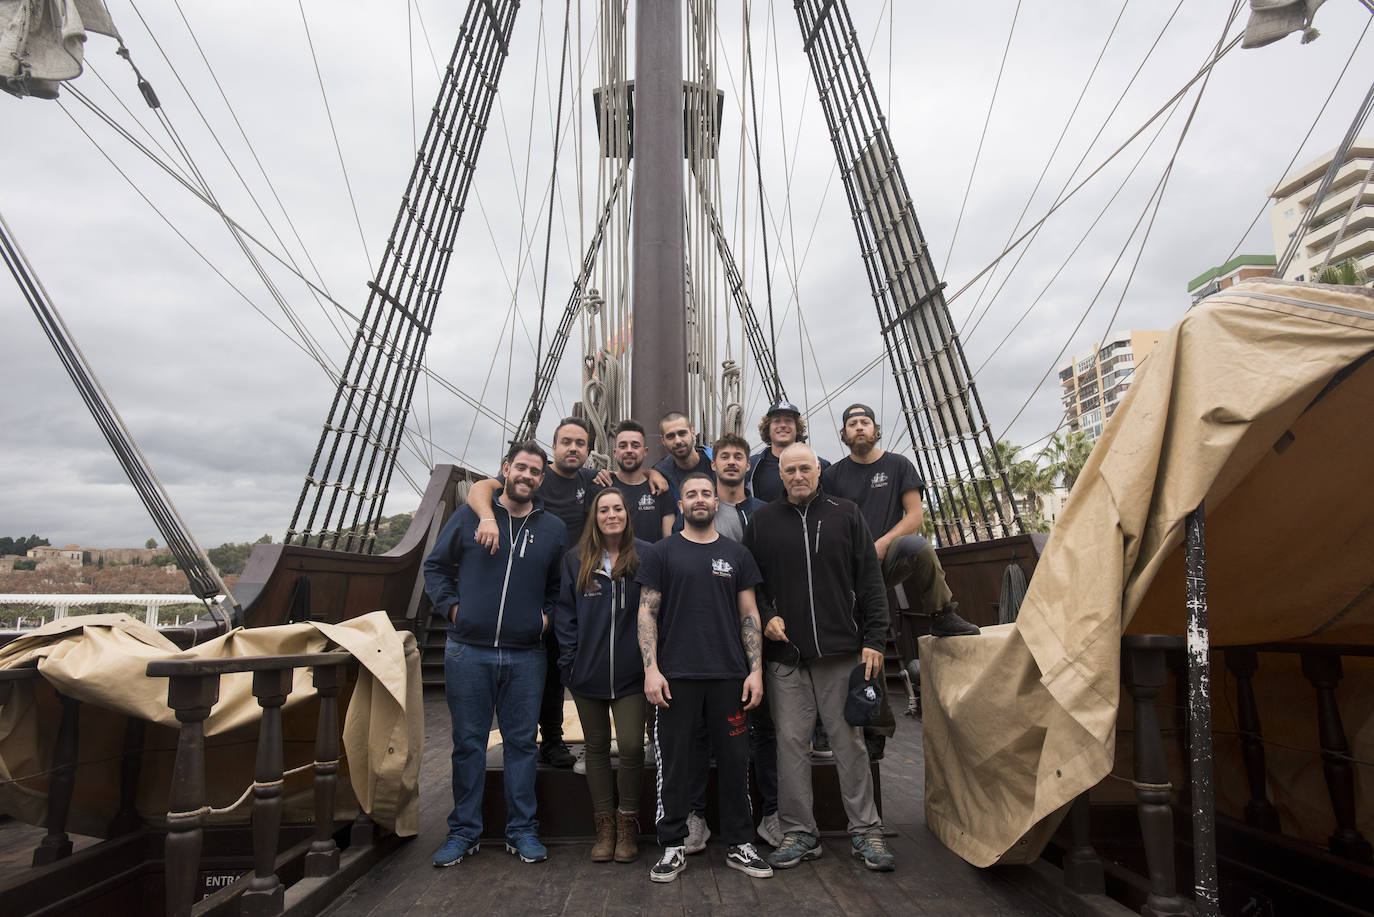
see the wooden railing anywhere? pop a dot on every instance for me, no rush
(192, 692)
(1148, 663)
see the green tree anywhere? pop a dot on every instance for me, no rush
(1070, 453)
(150, 543)
(1346, 273)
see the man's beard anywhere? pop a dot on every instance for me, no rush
(704, 523)
(862, 446)
(632, 468)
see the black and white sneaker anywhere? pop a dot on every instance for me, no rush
(744, 858)
(666, 869)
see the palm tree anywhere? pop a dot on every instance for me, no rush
(1070, 453)
(1345, 273)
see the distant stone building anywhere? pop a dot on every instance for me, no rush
(1241, 267)
(1349, 202)
(1094, 383)
(48, 556)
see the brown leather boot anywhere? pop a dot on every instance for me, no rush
(626, 837)
(604, 848)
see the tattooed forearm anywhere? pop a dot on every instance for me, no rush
(649, 601)
(753, 642)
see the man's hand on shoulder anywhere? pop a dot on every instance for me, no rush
(488, 534)
(657, 482)
(603, 478)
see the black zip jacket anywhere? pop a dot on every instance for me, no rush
(598, 632)
(821, 574)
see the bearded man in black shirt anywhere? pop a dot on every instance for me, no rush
(888, 490)
(701, 642)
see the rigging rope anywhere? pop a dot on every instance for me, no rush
(978, 154)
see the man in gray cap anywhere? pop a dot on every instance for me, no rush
(888, 490)
(781, 426)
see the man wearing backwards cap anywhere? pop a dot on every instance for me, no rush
(888, 490)
(780, 427)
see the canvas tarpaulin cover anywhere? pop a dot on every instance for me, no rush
(100, 660)
(1260, 401)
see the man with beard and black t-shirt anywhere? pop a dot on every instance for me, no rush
(651, 513)
(567, 491)
(703, 662)
(888, 490)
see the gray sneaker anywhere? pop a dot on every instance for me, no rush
(796, 846)
(770, 830)
(698, 833)
(872, 849)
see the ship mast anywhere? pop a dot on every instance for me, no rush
(658, 357)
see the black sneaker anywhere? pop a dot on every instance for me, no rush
(672, 862)
(746, 859)
(556, 754)
(947, 623)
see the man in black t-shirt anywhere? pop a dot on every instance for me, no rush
(888, 490)
(651, 513)
(567, 492)
(703, 662)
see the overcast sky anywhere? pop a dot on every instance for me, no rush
(228, 409)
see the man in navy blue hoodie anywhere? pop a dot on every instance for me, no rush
(498, 606)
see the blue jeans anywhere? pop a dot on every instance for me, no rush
(480, 681)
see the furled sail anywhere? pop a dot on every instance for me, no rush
(43, 42)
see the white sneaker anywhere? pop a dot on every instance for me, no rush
(697, 834)
(581, 766)
(770, 830)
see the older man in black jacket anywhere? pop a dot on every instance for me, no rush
(821, 574)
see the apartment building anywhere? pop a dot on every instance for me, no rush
(1094, 382)
(1349, 202)
(1241, 267)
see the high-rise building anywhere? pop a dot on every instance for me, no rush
(1349, 201)
(1093, 383)
(1241, 267)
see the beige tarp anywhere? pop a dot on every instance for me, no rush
(100, 660)
(1022, 719)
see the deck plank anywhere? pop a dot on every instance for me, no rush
(929, 879)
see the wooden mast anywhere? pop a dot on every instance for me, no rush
(658, 359)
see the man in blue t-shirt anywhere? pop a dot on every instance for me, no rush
(702, 647)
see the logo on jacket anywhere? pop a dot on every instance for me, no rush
(581, 493)
(646, 502)
(879, 479)
(721, 567)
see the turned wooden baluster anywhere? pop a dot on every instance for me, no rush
(126, 818)
(1145, 672)
(191, 697)
(56, 844)
(265, 893)
(323, 858)
(1324, 671)
(1259, 811)
(364, 831)
(1082, 866)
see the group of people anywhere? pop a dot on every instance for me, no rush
(725, 603)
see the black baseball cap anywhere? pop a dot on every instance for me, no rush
(865, 698)
(783, 407)
(858, 410)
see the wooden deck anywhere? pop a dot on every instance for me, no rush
(929, 878)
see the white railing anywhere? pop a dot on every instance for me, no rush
(62, 605)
